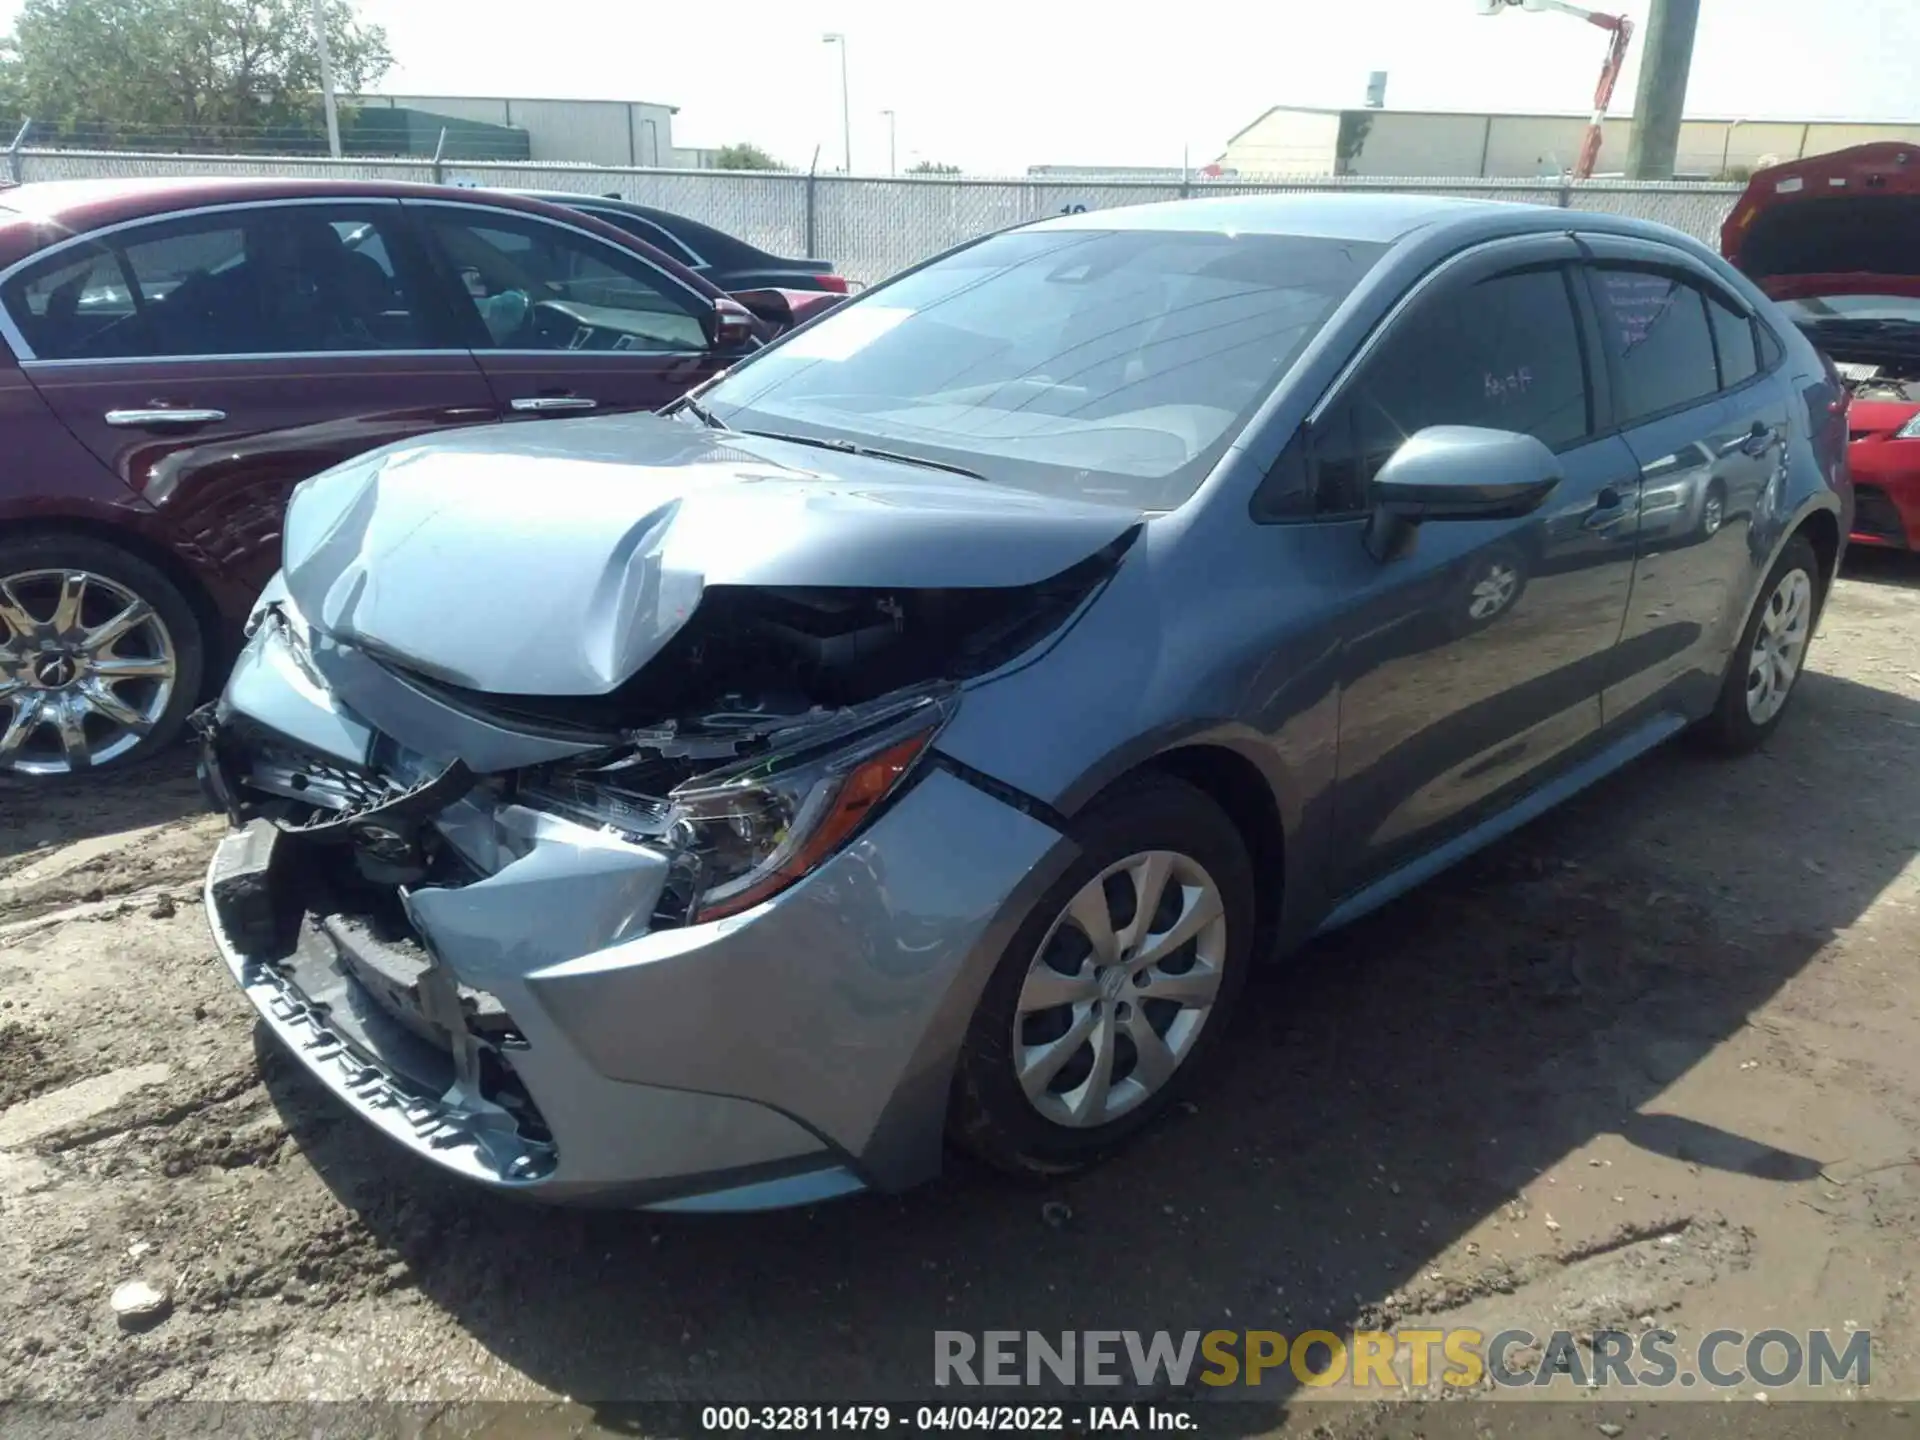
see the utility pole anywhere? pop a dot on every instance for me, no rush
(326, 77)
(893, 167)
(834, 37)
(1663, 89)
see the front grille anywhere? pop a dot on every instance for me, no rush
(1874, 514)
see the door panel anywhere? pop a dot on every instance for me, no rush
(223, 485)
(1446, 717)
(1472, 666)
(1693, 576)
(215, 360)
(561, 322)
(1711, 439)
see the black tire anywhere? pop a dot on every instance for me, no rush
(1730, 728)
(63, 551)
(990, 1115)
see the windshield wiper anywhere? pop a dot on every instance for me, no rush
(699, 412)
(847, 447)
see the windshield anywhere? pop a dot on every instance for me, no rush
(1826, 308)
(1108, 365)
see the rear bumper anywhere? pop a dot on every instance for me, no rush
(800, 1050)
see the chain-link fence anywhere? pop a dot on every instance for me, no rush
(873, 227)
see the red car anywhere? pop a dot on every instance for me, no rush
(176, 355)
(1836, 240)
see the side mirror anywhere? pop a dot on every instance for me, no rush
(1458, 472)
(784, 310)
(733, 324)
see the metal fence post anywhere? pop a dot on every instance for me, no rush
(439, 149)
(813, 185)
(13, 151)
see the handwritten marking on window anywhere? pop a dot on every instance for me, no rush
(1636, 303)
(1508, 386)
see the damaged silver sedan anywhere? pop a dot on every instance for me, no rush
(915, 736)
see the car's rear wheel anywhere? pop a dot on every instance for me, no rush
(101, 657)
(1116, 987)
(1765, 668)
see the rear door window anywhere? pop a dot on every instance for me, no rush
(263, 281)
(1504, 353)
(1655, 331)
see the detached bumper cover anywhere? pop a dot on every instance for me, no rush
(796, 1051)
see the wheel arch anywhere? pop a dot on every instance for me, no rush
(206, 611)
(1822, 529)
(1221, 767)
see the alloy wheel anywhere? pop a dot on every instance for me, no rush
(1120, 989)
(1779, 645)
(1713, 514)
(87, 669)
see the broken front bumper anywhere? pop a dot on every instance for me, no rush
(525, 1027)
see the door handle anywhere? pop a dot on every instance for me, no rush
(162, 418)
(1758, 440)
(1609, 508)
(550, 404)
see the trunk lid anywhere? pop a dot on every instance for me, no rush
(557, 559)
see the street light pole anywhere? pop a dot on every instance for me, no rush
(834, 37)
(326, 77)
(893, 167)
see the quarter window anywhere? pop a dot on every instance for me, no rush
(275, 280)
(536, 286)
(1657, 334)
(1734, 341)
(1504, 353)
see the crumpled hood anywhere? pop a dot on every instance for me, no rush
(557, 557)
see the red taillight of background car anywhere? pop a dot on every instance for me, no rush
(836, 283)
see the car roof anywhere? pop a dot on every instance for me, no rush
(77, 206)
(1370, 216)
(1375, 216)
(83, 204)
(690, 231)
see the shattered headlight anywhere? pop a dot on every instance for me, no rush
(743, 833)
(746, 833)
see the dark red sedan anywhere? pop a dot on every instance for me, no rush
(175, 355)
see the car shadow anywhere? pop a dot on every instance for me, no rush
(1877, 566)
(1384, 1093)
(61, 810)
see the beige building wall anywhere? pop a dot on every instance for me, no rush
(1410, 144)
(1286, 142)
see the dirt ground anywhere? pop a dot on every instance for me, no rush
(1658, 1056)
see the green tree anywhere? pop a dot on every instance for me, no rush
(932, 167)
(745, 157)
(186, 70)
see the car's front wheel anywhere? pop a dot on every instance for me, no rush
(100, 656)
(1115, 988)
